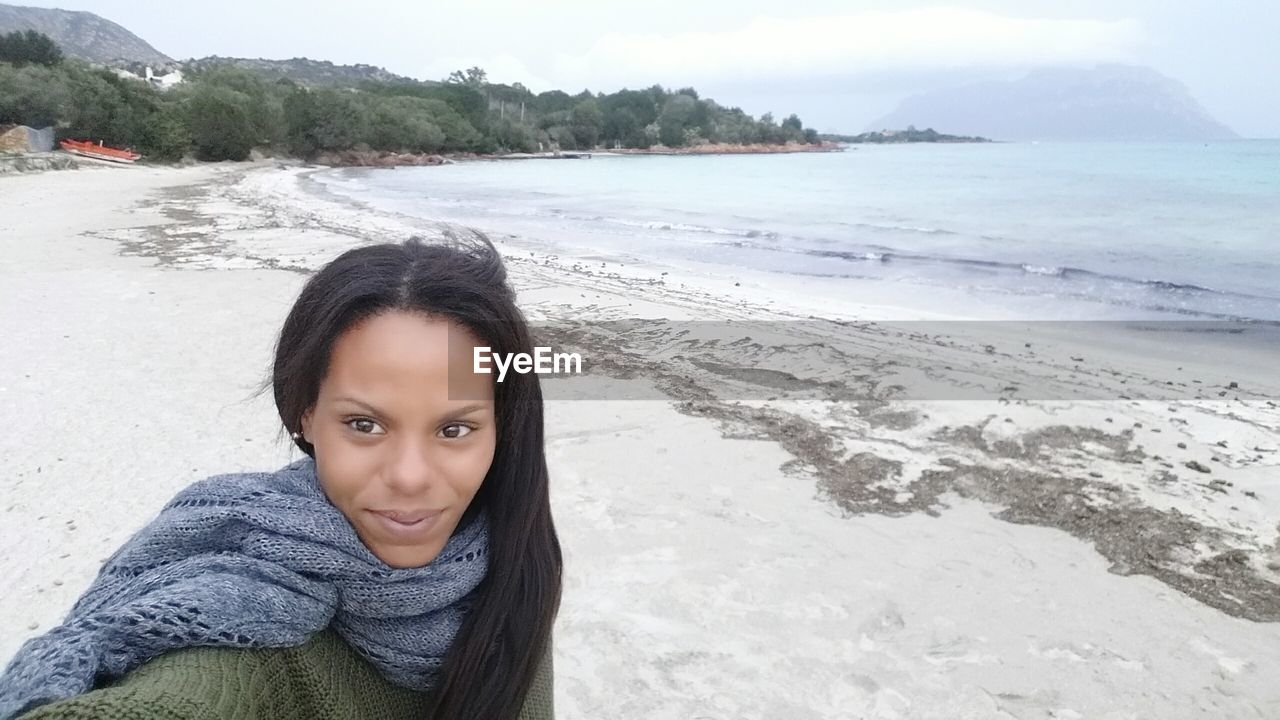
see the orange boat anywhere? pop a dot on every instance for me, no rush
(98, 151)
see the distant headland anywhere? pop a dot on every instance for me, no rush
(910, 135)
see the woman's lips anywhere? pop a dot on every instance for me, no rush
(409, 526)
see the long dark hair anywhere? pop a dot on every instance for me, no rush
(492, 662)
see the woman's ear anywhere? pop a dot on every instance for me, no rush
(306, 422)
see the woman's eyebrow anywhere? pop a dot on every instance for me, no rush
(464, 410)
(467, 409)
(364, 405)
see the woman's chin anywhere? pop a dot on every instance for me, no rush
(404, 558)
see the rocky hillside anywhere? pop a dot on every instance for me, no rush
(84, 35)
(300, 70)
(1110, 102)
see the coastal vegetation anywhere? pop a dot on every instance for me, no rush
(910, 135)
(225, 112)
(30, 47)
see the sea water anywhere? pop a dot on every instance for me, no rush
(1043, 230)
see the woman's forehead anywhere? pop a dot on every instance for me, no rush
(399, 358)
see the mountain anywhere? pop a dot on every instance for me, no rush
(1109, 102)
(83, 35)
(90, 37)
(300, 70)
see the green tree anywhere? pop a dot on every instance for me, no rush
(403, 124)
(93, 105)
(221, 123)
(622, 127)
(266, 111)
(639, 103)
(149, 121)
(459, 134)
(340, 120)
(586, 120)
(226, 111)
(553, 101)
(563, 137)
(472, 77)
(553, 119)
(164, 134)
(95, 108)
(466, 101)
(626, 114)
(657, 95)
(29, 48)
(513, 136)
(31, 95)
(676, 116)
(299, 120)
(768, 131)
(323, 120)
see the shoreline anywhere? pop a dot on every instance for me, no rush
(382, 158)
(961, 558)
(60, 160)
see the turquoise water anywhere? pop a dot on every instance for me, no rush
(1051, 229)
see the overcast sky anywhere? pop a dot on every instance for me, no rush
(840, 64)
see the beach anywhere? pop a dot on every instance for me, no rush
(836, 518)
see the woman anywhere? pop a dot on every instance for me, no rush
(407, 567)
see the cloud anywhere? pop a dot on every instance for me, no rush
(770, 50)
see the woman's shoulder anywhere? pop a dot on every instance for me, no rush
(322, 679)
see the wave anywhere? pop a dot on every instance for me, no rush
(898, 228)
(560, 214)
(1058, 280)
(1155, 305)
(687, 227)
(1049, 270)
(849, 255)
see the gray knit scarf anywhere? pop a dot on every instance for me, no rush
(251, 560)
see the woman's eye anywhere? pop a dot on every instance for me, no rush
(455, 431)
(364, 426)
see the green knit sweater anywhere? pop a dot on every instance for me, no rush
(323, 679)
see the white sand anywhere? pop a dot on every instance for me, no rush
(703, 579)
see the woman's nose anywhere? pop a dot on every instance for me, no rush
(412, 471)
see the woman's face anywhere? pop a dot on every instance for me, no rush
(393, 452)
